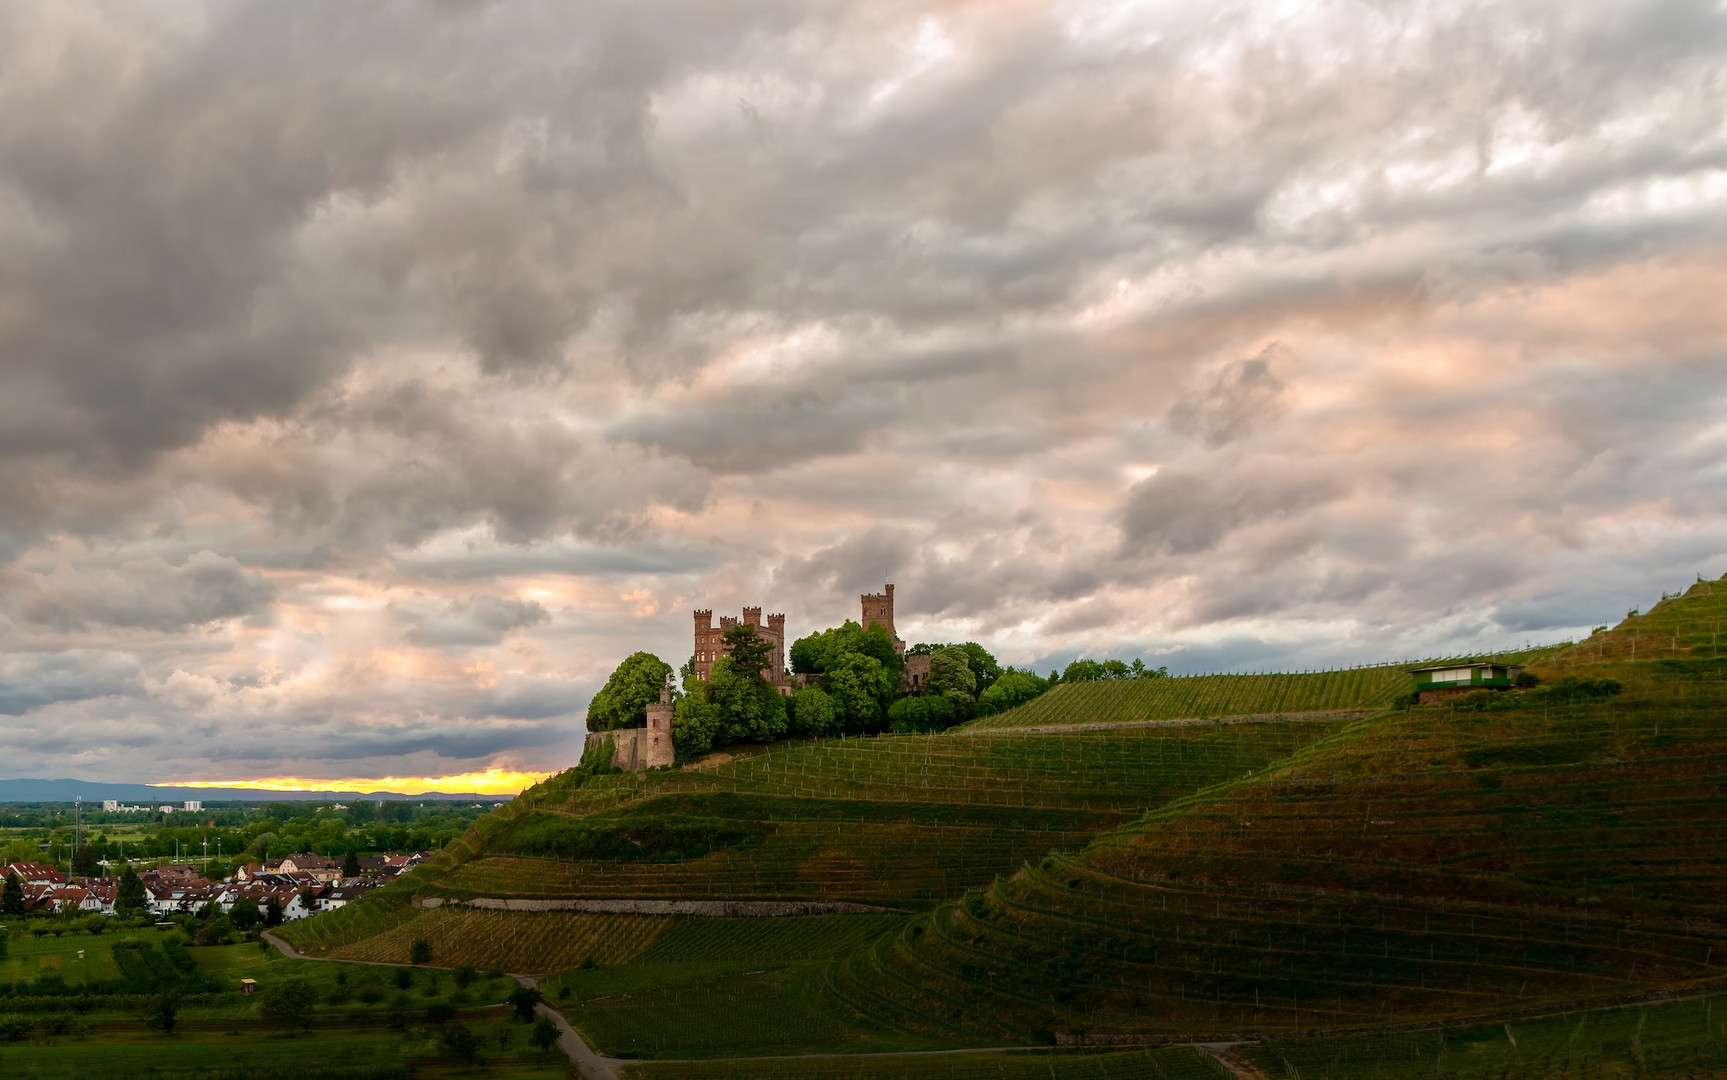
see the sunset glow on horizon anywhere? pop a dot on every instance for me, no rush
(489, 782)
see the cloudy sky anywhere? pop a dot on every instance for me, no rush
(373, 377)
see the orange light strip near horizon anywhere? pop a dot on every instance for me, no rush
(489, 782)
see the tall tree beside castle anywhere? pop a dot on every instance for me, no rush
(623, 702)
(733, 704)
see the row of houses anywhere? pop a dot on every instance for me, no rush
(299, 885)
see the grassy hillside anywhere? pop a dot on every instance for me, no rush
(1418, 865)
(1297, 882)
(901, 821)
(1664, 1039)
(1179, 697)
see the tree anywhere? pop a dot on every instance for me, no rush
(129, 896)
(523, 999)
(309, 898)
(85, 862)
(461, 1044)
(749, 652)
(861, 688)
(272, 912)
(981, 661)
(624, 700)
(164, 1013)
(3, 938)
(1083, 670)
(696, 722)
(824, 651)
(729, 706)
(950, 677)
(245, 914)
(464, 976)
(545, 1034)
(12, 900)
(812, 713)
(289, 1003)
(351, 864)
(921, 713)
(420, 951)
(1013, 688)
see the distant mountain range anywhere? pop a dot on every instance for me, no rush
(34, 791)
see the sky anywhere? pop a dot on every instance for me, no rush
(375, 377)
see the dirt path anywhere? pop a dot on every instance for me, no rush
(1229, 1059)
(589, 1064)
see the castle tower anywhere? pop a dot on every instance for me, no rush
(777, 634)
(711, 645)
(708, 642)
(878, 611)
(656, 742)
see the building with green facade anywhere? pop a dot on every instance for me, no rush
(1439, 681)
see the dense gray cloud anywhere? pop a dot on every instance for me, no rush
(374, 377)
(149, 595)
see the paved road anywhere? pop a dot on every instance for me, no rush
(589, 1064)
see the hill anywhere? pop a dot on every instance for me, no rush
(1117, 863)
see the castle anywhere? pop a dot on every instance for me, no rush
(711, 644)
(877, 610)
(639, 749)
(649, 747)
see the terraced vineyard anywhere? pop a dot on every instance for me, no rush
(1665, 1039)
(1526, 870)
(1691, 624)
(514, 941)
(1129, 701)
(1119, 771)
(1162, 1063)
(765, 941)
(905, 820)
(1424, 865)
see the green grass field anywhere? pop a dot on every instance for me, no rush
(365, 1026)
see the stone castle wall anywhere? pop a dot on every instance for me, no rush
(639, 749)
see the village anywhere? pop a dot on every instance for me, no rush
(279, 890)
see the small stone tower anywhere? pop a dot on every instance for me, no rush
(878, 611)
(656, 747)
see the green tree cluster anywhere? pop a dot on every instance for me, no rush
(984, 668)
(732, 705)
(289, 1003)
(12, 900)
(1013, 688)
(85, 861)
(623, 702)
(1083, 670)
(129, 895)
(859, 674)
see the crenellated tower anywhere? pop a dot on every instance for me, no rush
(878, 611)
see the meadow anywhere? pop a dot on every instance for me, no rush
(59, 1018)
